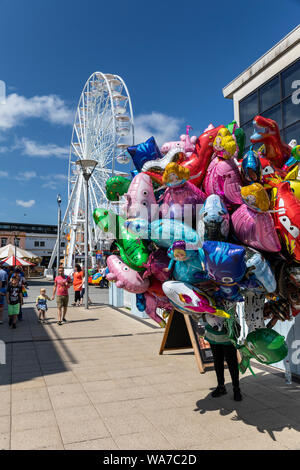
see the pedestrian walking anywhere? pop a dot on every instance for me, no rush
(62, 283)
(78, 276)
(14, 300)
(41, 305)
(3, 286)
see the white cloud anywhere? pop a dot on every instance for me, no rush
(161, 126)
(3, 174)
(26, 175)
(54, 181)
(17, 108)
(35, 149)
(30, 203)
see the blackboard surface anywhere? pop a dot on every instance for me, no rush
(182, 332)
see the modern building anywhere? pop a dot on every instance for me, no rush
(39, 239)
(271, 87)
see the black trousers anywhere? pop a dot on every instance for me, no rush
(221, 352)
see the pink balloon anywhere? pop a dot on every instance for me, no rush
(179, 197)
(223, 178)
(157, 262)
(125, 277)
(255, 229)
(140, 197)
(153, 303)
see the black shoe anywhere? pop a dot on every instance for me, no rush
(219, 391)
(14, 326)
(59, 322)
(64, 320)
(237, 396)
(9, 321)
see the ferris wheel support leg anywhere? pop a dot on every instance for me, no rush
(74, 223)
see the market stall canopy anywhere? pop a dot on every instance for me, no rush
(9, 250)
(15, 261)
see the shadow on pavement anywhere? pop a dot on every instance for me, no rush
(268, 404)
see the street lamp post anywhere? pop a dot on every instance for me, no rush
(58, 230)
(87, 168)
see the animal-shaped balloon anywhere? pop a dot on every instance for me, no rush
(262, 271)
(223, 177)
(187, 265)
(265, 345)
(140, 199)
(213, 221)
(186, 144)
(164, 232)
(157, 265)
(252, 224)
(133, 250)
(198, 162)
(189, 299)
(266, 131)
(287, 219)
(271, 175)
(226, 265)
(144, 152)
(116, 186)
(181, 197)
(125, 277)
(251, 167)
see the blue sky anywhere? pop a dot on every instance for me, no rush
(174, 56)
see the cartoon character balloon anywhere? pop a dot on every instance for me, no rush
(125, 277)
(213, 219)
(140, 199)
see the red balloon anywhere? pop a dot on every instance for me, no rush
(200, 158)
(287, 219)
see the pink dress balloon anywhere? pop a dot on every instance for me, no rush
(125, 277)
(177, 198)
(223, 178)
(255, 229)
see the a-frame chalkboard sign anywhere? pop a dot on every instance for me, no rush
(182, 333)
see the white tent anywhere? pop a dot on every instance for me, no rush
(11, 250)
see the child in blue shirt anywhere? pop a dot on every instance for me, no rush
(41, 305)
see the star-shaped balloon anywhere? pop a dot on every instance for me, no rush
(144, 152)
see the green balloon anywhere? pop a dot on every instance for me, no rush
(133, 250)
(240, 137)
(116, 186)
(265, 345)
(296, 152)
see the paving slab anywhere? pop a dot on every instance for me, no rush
(98, 382)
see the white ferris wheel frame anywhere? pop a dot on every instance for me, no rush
(76, 188)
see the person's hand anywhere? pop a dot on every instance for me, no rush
(52, 297)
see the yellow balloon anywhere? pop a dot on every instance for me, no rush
(256, 196)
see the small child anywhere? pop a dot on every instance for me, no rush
(14, 300)
(41, 305)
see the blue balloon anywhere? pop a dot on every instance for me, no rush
(251, 167)
(144, 152)
(140, 302)
(226, 265)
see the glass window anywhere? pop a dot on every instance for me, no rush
(292, 132)
(291, 112)
(36, 243)
(288, 77)
(248, 108)
(269, 94)
(275, 114)
(3, 241)
(62, 244)
(42, 243)
(248, 129)
(17, 241)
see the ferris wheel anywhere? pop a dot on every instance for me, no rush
(103, 129)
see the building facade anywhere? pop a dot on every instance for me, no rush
(271, 87)
(39, 239)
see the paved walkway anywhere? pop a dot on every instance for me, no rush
(98, 382)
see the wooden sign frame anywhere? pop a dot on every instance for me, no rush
(189, 339)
